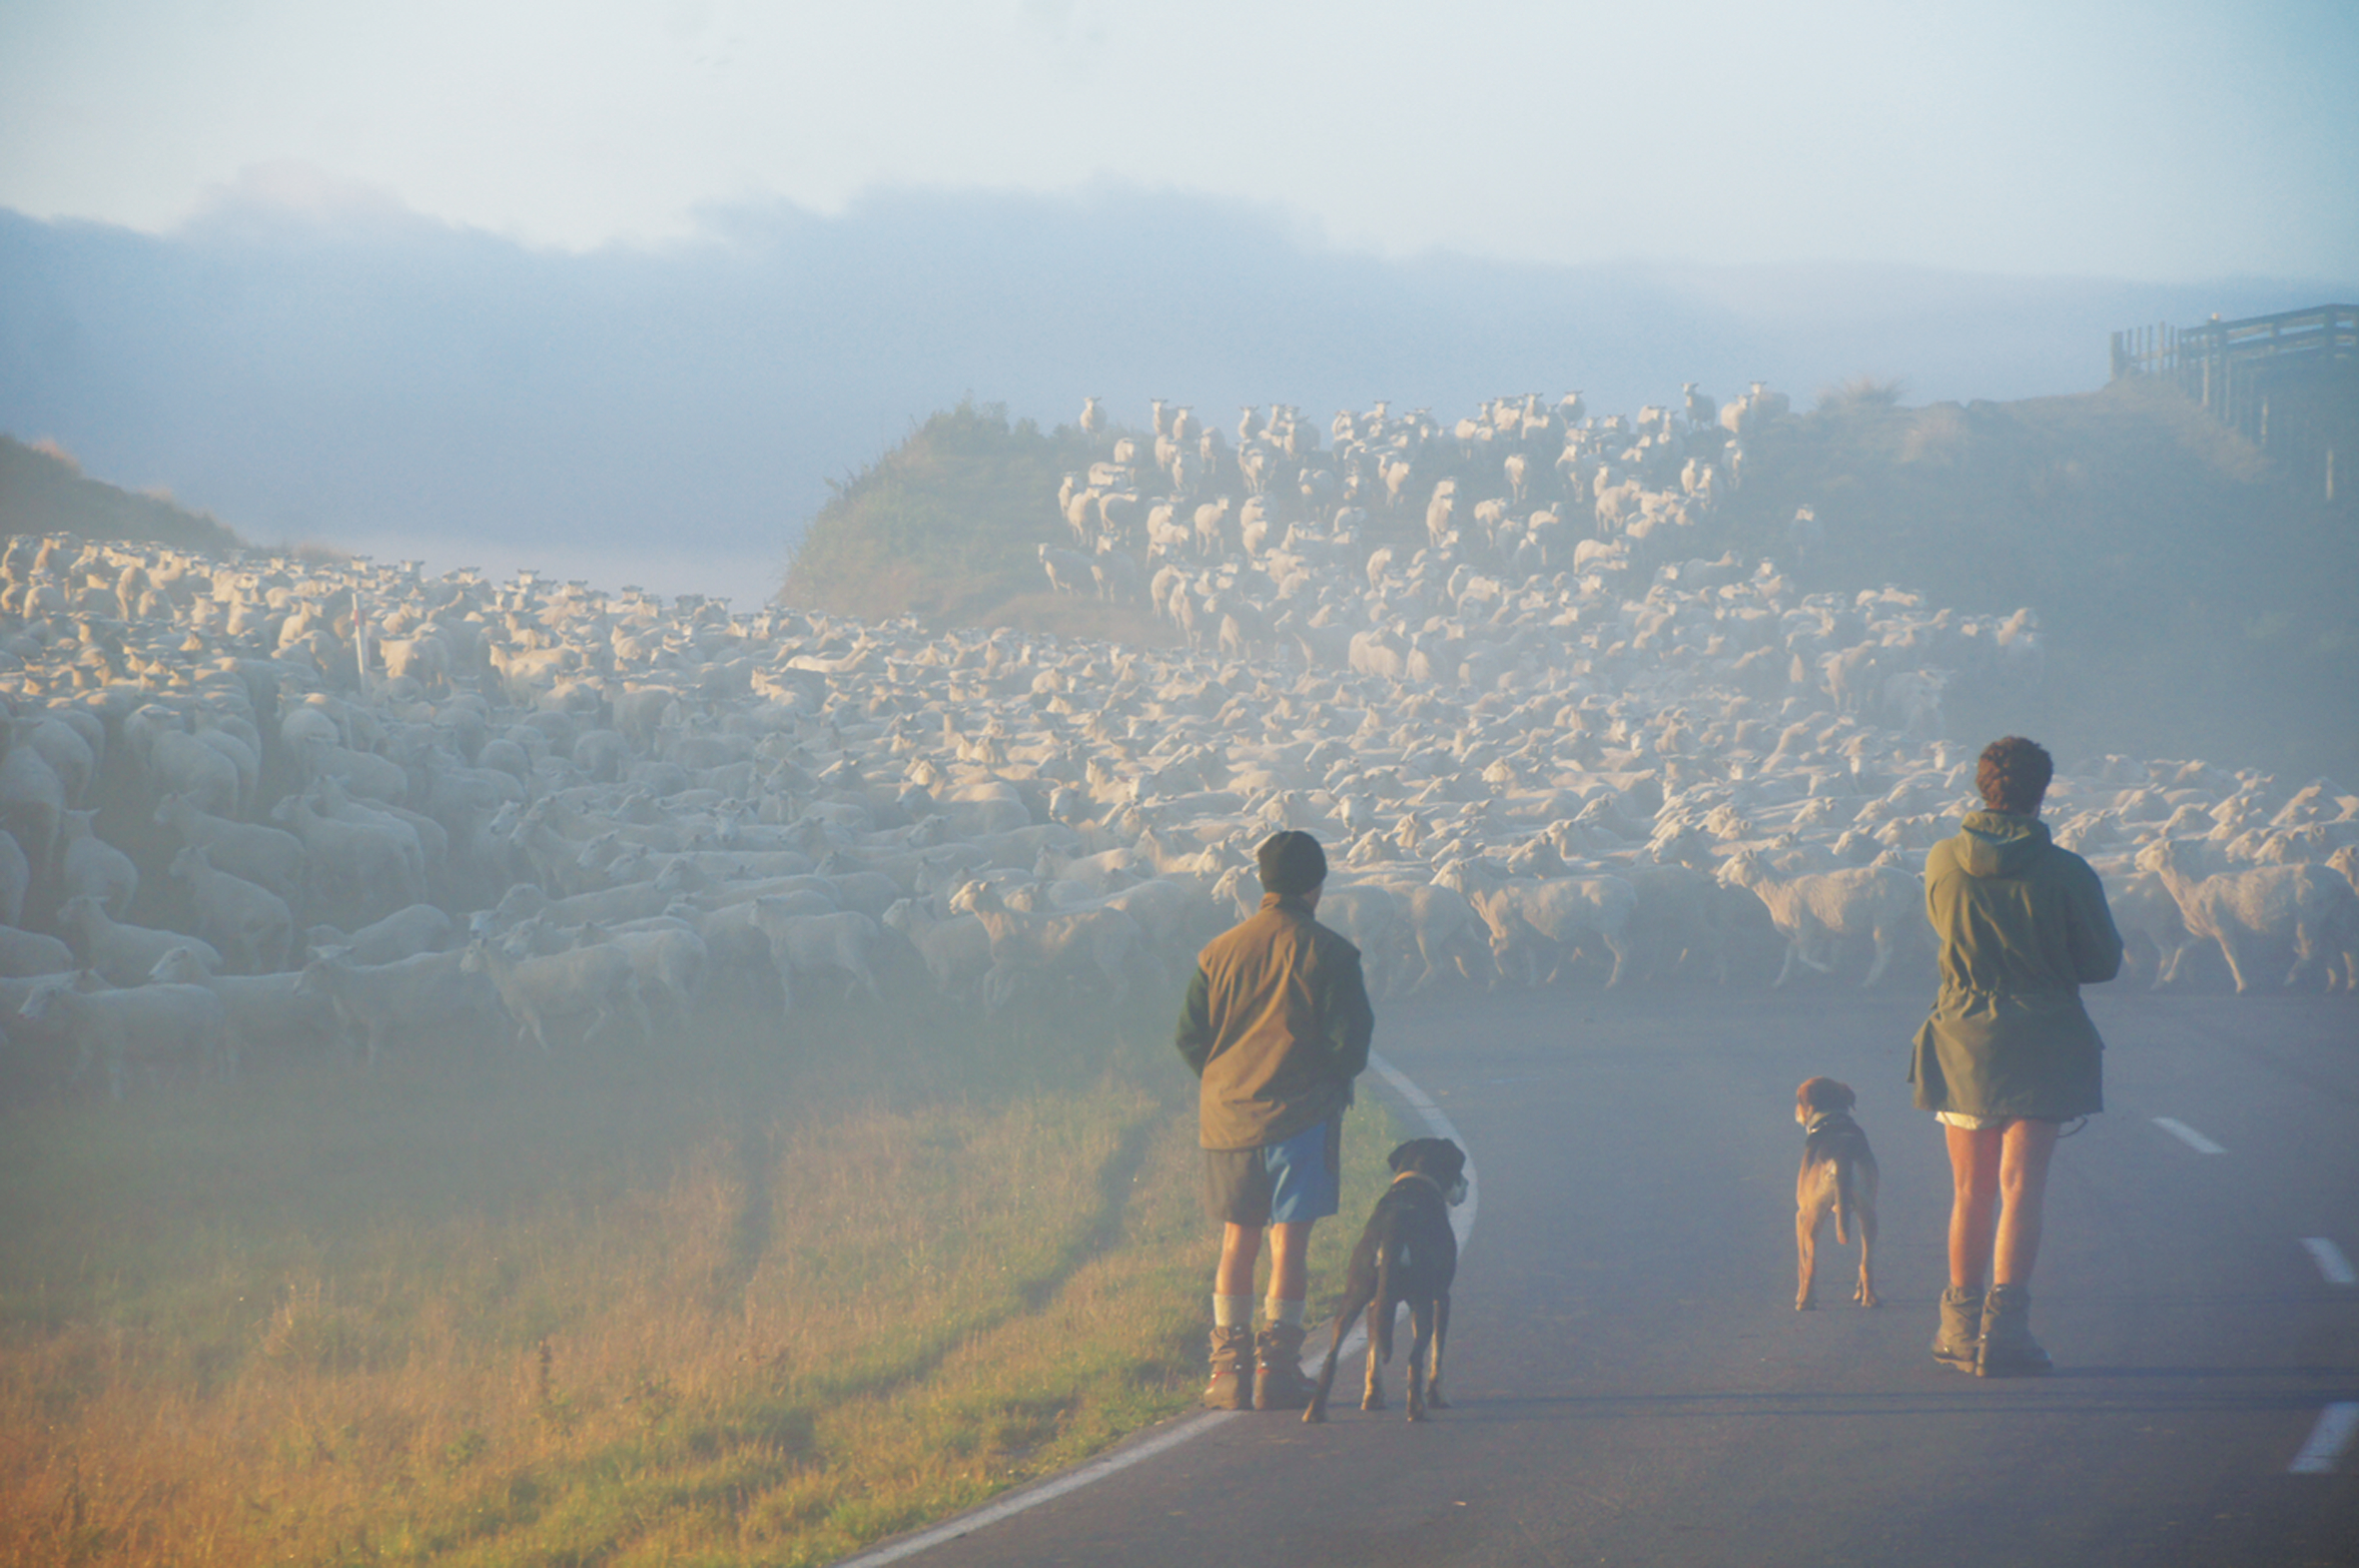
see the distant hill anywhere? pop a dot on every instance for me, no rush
(2192, 602)
(42, 490)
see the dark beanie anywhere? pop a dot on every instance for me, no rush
(1291, 863)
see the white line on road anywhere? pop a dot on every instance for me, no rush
(2188, 1136)
(2327, 1441)
(2330, 1259)
(1461, 1220)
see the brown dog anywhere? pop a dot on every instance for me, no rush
(1838, 1176)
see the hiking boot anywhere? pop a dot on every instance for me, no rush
(2009, 1350)
(1958, 1343)
(1279, 1383)
(1232, 1387)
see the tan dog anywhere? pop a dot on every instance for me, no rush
(1838, 1176)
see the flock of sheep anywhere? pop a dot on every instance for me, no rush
(271, 804)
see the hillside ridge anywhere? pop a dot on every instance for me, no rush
(2188, 598)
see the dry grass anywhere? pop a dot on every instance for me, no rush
(747, 1305)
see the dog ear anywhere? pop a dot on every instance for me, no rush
(1844, 1098)
(1400, 1155)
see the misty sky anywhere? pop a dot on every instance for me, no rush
(2170, 140)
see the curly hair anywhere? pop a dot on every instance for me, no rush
(2012, 775)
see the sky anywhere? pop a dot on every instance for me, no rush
(621, 287)
(2159, 140)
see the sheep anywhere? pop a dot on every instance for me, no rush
(123, 955)
(406, 932)
(1067, 570)
(264, 856)
(811, 944)
(2266, 909)
(375, 1001)
(670, 958)
(252, 925)
(1811, 911)
(353, 865)
(90, 865)
(16, 880)
(159, 1026)
(2143, 907)
(1098, 944)
(599, 980)
(1569, 912)
(25, 953)
(267, 1012)
(956, 950)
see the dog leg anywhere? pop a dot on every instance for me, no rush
(1867, 1296)
(1316, 1412)
(1422, 1318)
(1806, 1246)
(1373, 1398)
(1441, 1335)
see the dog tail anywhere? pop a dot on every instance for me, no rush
(1387, 1299)
(1842, 1200)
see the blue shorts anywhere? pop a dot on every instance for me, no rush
(1284, 1183)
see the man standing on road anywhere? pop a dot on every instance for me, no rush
(1277, 1025)
(2009, 1054)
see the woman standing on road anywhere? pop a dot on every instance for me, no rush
(2009, 1054)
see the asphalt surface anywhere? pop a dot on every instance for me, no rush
(1632, 1384)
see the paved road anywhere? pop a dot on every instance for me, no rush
(1633, 1385)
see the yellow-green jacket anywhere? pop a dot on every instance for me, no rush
(2022, 926)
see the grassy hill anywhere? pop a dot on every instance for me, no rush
(2192, 602)
(42, 490)
(946, 526)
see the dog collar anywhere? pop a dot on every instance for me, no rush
(1451, 1196)
(1820, 1119)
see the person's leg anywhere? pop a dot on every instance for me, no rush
(1289, 1260)
(2008, 1349)
(1974, 1159)
(1241, 1249)
(2023, 1193)
(1974, 1189)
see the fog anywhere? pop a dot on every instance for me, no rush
(323, 364)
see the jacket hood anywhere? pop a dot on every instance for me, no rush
(1995, 844)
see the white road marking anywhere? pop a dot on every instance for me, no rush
(2327, 1441)
(1461, 1220)
(2188, 1136)
(2331, 1263)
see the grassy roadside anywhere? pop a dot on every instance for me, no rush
(748, 1303)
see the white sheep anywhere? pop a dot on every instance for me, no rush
(376, 1002)
(1567, 913)
(265, 855)
(839, 943)
(2263, 911)
(956, 950)
(154, 1026)
(1811, 912)
(123, 954)
(1098, 944)
(600, 980)
(264, 1012)
(250, 925)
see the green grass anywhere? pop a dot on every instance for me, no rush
(752, 1301)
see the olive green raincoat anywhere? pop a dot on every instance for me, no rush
(2022, 926)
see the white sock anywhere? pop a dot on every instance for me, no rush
(1283, 1313)
(1233, 1311)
